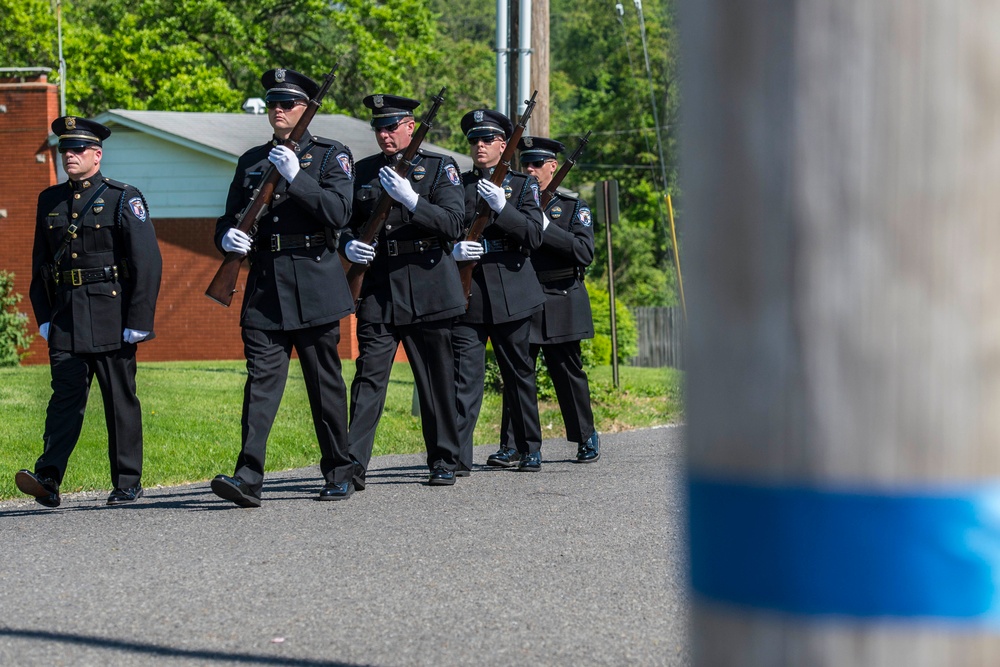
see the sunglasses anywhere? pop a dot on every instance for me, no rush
(534, 163)
(485, 140)
(387, 128)
(75, 149)
(287, 105)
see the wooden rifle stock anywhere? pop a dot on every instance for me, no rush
(550, 190)
(482, 217)
(223, 285)
(371, 229)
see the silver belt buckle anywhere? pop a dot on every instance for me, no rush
(391, 248)
(275, 242)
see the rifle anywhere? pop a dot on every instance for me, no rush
(371, 229)
(482, 218)
(550, 190)
(223, 285)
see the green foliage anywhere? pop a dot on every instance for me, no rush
(14, 337)
(597, 351)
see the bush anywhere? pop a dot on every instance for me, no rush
(597, 351)
(14, 337)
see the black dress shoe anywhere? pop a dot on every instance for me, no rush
(530, 463)
(44, 489)
(441, 477)
(358, 476)
(124, 496)
(504, 458)
(331, 491)
(589, 451)
(235, 490)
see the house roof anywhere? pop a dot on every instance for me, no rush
(229, 135)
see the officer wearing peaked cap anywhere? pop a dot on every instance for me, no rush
(296, 292)
(412, 292)
(505, 292)
(95, 279)
(567, 250)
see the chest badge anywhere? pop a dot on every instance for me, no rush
(507, 191)
(306, 160)
(98, 205)
(419, 172)
(555, 212)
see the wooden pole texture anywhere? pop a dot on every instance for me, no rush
(841, 171)
(540, 66)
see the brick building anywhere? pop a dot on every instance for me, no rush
(183, 164)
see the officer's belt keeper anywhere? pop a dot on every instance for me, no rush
(559, 274)
(281, 242)
(499, 245)
(78, 277)
(395, 248)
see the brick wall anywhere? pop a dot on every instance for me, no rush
(188, 325)
(29, 104)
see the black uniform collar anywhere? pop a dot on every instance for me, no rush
(85, 183)
(484, 173)
(275, 141)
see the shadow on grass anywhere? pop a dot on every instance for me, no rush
(141, 649)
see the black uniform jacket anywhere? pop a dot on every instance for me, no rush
(295, 288)
(567, 249)
(405, 285)
(504, 286)
(115, 235)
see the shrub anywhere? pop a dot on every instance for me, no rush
(597, 351)
(14, 337)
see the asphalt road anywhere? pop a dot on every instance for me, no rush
(575, 565)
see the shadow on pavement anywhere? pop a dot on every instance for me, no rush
(142, 649)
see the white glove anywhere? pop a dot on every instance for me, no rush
(43, 329)
(545, 221)
(236, 241)
(493, 194)
(358, 252)
(286, 161)
(133, 336)
(467, 251)
(398, 188)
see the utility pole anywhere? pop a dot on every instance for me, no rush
(540, 66)
(843, 376)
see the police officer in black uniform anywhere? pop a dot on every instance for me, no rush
(567, 250)
(505, 292)
(94, 282)
(412, 292)
(296, 292)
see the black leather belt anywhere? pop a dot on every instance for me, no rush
(558, 274)
(77, 277)
(499, 245)
(293, 241)
(396, 248)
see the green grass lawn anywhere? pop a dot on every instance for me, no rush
(191, 419)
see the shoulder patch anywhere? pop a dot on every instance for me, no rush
(138, 208)
(534, 193)
(453, 176)
(584, 217)
(345, 163)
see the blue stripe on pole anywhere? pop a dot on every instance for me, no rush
(810, 551)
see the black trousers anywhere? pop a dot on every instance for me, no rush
(267, 354)
(429, 348)
(72, 375)
(517, 368)
(565, 365)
